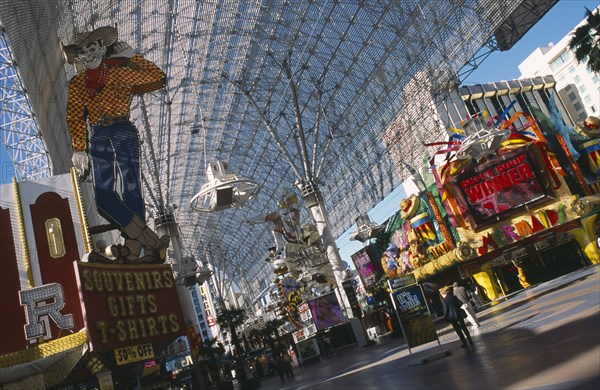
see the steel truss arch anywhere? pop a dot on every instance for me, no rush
(369, 74)
(19, 128)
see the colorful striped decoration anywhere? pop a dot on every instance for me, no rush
(578, 175)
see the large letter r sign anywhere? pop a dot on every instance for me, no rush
(36, 306)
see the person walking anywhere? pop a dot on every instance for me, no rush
(454, 314)
(465, 298)
(477, 293)
(278, 365)
(286, 364)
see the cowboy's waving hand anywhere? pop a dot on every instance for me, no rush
(122, 49)
(81, 163)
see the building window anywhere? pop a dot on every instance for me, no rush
(577, 79)
(572, 96)
(471, 107)
(561, 80)
(521, 99)
(582, 115)
(583, 88)
(496, 103)
(587, 99)
(595, 79)
(572, 69)
(544, 96)
(560, 60)
(577, 106)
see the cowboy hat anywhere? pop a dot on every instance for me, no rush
(591, 122)
(409, 206)
(108, 34)
(589, 126)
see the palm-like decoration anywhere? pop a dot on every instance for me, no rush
(585, 41)
(212, 349)
(272, 328)
(232, 319)
(255, 337)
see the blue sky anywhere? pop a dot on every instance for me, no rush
(6, 171)
(557, 23)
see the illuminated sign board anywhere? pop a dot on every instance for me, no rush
(366, 266)
(291, 291)
(326, 311)
(129, 305)
(496, 189)
(535, 223)
(39, 310)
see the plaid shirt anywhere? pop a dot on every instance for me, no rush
(113, 100)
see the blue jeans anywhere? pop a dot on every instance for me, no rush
(115, 151)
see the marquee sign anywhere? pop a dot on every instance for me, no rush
(534, 223)
(366, 266)
(128, 306)
(40, 238)
(494, 190)
(39, 310)
(291, 291)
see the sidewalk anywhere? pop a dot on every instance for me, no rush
(546, 337)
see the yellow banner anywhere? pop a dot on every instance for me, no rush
(134, 353)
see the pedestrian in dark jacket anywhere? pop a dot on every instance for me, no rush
(465, 298)
(454, 314)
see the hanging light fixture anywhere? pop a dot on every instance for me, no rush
(224, 189)
(365, 229)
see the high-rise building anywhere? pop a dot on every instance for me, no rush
(204, 316)
(577, 85)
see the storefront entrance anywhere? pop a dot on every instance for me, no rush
(506, 277)
(541, 266)
(563, 259)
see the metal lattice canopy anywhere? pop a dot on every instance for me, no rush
(367, 75)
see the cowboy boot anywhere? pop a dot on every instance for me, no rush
(138, 230)
(122, 253)
(133, 249)
(112, 251)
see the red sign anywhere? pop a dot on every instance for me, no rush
(12, 319)
(497, 188)
(211, 321)
(195, 342)
(541, 220)
(127, 305)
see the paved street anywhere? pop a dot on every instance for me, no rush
(546, 337)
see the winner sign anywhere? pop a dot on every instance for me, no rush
(496, 189)
(129, 306)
